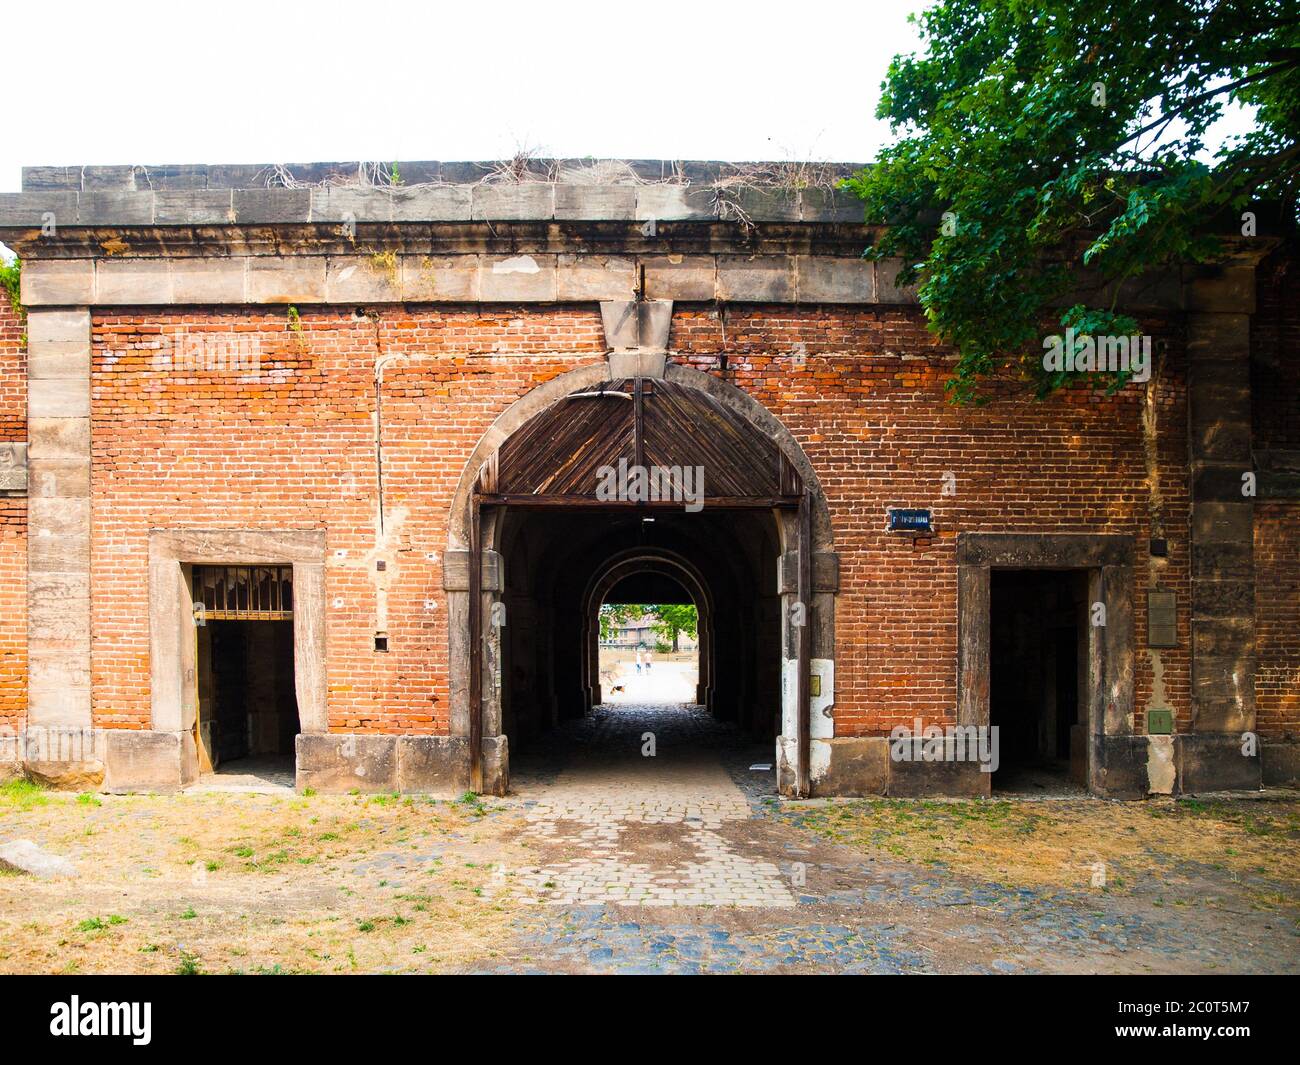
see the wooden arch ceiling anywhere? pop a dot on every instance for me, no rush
(554, 458)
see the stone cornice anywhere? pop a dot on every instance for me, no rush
(342, 205)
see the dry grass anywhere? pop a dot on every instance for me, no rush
(239, 882)
(1060, 844)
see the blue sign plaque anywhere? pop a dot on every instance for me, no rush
(901, 520)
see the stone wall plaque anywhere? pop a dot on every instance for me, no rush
(1162, 619)
(13, 467)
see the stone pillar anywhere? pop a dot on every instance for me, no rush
(456, 582)
(1220, 303)
(60, 744)
(820, 617)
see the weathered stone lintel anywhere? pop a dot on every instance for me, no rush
(541, 277)
(1049, 550)
(628, 364)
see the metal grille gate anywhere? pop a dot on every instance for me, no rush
(243, 593)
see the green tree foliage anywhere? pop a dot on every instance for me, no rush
(674, 619)
(11, 280)
(1065, 133)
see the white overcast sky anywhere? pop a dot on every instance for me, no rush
(240, 82)
(260, 82)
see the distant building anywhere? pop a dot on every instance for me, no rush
(640, 632)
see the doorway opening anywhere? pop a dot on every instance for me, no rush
(1038, 678)
(586, 590)
(649, 651)
(248, 717)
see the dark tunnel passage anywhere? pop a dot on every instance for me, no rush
(561, 563)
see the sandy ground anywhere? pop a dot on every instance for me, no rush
(239, 881)
(615, 855)
(666, 681)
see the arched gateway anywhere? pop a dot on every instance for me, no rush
(592, 480)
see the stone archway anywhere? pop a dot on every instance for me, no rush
(633, 562)
(807, 571)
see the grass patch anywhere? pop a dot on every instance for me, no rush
(1065, 844)
(98, 924)
(22, 794)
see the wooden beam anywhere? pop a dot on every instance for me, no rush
(592, 503)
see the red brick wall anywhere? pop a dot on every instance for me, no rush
(207, 450)
(860, 389)
(13, 525)
(864, 396)
(1277, 619)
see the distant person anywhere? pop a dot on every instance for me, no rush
(647, 661)
(638, 661)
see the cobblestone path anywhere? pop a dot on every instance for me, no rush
(685, 861)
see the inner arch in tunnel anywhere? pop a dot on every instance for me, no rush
(630, 563)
